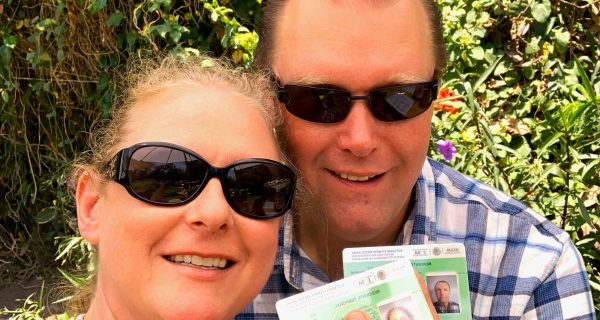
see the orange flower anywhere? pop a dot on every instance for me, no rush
(446, 94)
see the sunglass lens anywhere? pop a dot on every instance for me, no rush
(317, 104)
(164, 175)
(400, 102)
(260, 190)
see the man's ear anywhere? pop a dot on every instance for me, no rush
(87, 196)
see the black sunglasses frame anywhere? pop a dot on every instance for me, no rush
(282, 96)
(120, 166)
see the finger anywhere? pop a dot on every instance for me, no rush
(357, 314)
(427, 297)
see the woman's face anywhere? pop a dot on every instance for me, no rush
(136, 241)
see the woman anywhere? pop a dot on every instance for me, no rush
(168, 196)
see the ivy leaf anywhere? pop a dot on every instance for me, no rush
(96, 6)
(562, 38)
(46, 215)
(10, 41)
(502, 67)
(115, 19)
(541, 11)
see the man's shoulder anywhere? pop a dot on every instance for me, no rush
(456, 193)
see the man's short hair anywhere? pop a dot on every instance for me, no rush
(272, 10)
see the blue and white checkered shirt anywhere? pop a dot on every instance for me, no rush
(520, 264)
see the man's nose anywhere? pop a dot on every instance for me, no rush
(359, 133)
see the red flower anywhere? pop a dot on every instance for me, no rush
(446, 94)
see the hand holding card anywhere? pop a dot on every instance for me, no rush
(376, 293)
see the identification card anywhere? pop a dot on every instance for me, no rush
(443, 267)
(387, 289)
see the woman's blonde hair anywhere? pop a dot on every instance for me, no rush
(145, 77)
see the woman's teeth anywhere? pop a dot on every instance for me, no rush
(213, 262)
(354, 178)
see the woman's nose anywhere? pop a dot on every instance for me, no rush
(210, 210)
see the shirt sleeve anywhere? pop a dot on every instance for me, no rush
(565, 293)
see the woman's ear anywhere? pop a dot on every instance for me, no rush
(87, 196)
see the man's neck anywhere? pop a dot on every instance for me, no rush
(325, 249)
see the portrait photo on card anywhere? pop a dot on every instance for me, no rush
(398, 308)
(444, 291)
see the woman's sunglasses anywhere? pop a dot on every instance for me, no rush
(170, 175)
(329, 105)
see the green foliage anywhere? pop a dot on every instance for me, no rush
(33, 310)
(528, 121)
(58, 61)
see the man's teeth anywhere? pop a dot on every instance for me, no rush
(354, 178)
(213, 262)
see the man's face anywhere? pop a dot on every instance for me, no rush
(442, 292)
(358, 46)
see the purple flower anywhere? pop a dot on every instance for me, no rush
(70, 184)
(447, 149)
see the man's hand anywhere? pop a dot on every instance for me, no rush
(427, 297)
(357, 314)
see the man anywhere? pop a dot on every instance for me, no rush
(364, 167)
(442, 294)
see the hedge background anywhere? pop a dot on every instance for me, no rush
(522, 104)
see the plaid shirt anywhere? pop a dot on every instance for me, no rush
(520, 264)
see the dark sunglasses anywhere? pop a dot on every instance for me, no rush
(329, 105)
(170, 175)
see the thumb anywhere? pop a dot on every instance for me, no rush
(357, 314)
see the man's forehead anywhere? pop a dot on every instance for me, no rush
(369, 2)
(314, 79)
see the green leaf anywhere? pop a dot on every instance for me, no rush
(115, 19)
(132, 38)
(562, 38)
(502, 68)
(60, 55)
(214, 16)
(6, 55)
(175, 36)
(584, 213)
(549, 169)
(483, 77)
(46, 215)
(550, 141)
(571, 113)
(477, 53)
(533, 46)
(4, 95)
(74, 280)
(10, 41)
(96, 5)
(541, 11)
(587, 84)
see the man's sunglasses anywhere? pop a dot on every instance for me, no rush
(329, 105)
(170, 175)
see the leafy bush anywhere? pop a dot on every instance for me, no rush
(521, 104)
(58, 61)
(522, 107)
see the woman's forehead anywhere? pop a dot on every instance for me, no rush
(206, 116)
